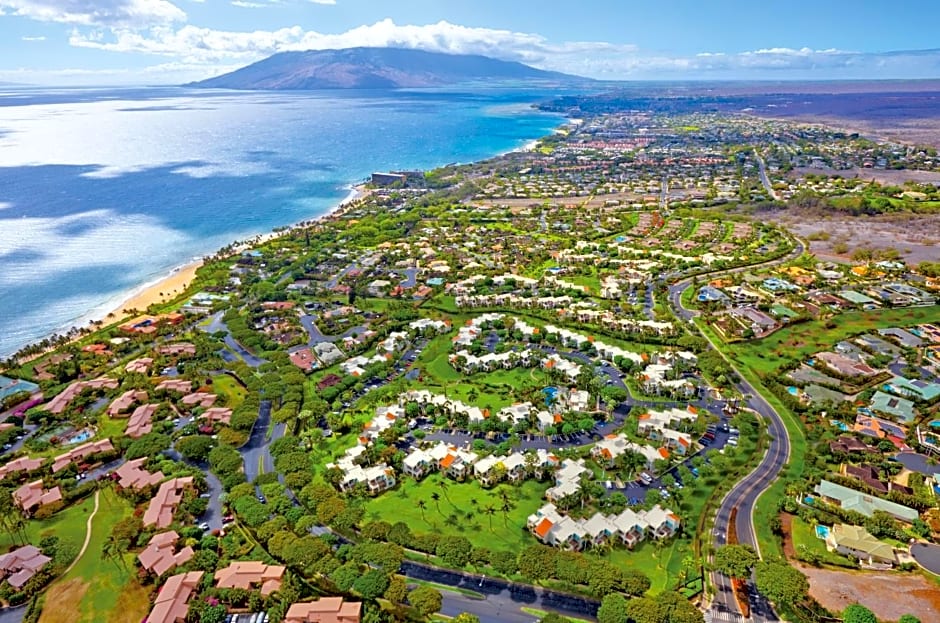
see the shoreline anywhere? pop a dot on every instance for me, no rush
(174, 282)
(178, 279)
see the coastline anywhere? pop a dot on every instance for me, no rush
(179, 278)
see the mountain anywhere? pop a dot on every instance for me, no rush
(375, 68)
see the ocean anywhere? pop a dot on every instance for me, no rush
(104, 190)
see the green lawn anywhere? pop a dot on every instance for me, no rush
(226, 386)
(68, 524)
(804, 536)
(660, 561)
(799, 341)
(455, 513)
(97, 590)
(440, 369)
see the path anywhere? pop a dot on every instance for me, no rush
(81, 552)
(744, 495)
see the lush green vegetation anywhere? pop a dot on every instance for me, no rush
(464, 509)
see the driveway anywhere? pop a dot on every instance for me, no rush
(917, 463)
(927, 556)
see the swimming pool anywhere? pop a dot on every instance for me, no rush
(822, 532)
(935, 424)
(793, 391)
(79, 437)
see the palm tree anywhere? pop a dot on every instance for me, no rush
(437, 500)
(506, 507)
(422, 505)
(489, 510)
(442, 484)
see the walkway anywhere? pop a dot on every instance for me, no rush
(81, 552)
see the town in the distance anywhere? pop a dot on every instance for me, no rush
(667, 365)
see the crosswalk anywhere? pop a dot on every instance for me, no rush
(722, 616)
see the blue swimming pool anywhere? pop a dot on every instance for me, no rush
(822, 532)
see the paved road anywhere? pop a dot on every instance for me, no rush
(309, 322)
(503, 599)
(215, 325)
(12, 615)
(411, 277)
(746, 492)
(256, 447)
(676, 289)
(762, 173)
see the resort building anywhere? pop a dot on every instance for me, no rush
(160, 511)
(160, 555)
(172, 603)
(19, 566)
(250, 575)
(324, 610)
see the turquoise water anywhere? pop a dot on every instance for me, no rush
(104, 190)
(793, 391)
(935, 424)
(822, 532)
(84, 435)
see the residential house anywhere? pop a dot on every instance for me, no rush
(180, 386)
(125, 401)
(178, 349)
(328, 353)
(846, 366)
(141, 421)
(21, 464)
(567, 480)
(61, 401)
(866, 504)
(918, 389)
(892, 406)
(376, 478)
(856, 542)
(202, 400)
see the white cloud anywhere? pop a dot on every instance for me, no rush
(248, 5)
(330, 2)
(147, 27)
(195, 44)
(27, 38)
(108, 13)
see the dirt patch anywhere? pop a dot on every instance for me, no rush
(915, 237)
(133, 604)
(63, 601)
(888, 595)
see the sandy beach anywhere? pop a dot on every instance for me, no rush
(161, 291)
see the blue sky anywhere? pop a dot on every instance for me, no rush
(170, 41)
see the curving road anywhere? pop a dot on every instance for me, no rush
(746, 492)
